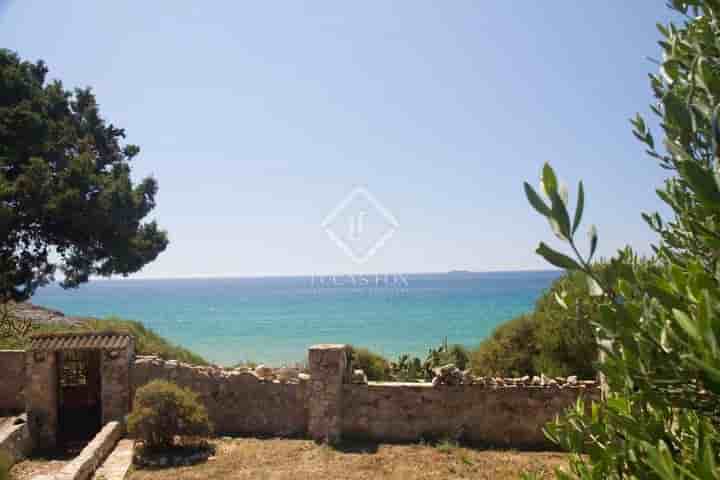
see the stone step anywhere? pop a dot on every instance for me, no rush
(118, 463)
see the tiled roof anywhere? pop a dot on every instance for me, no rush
(79, 341)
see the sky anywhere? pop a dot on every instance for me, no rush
(260, 119)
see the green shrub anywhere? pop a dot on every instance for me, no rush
(564, 335)
(557, 338)
(410, 369)
(163, 411)
(445, 354)
(407, 369)
(510, 351)
(148, 342)
(375, 366)
(658, 323)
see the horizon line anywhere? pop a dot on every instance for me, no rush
(241, 276)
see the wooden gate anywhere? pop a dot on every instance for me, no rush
(79, 406)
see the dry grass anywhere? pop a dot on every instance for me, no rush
(27, 469)
(277, 459)
(45, 463)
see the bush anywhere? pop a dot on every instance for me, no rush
(163, 411)
(412, 369)
(509, 351)
(375, 366)
(445, 354)
(148, 342)
(659, 327)
(557, 338)
(564, 335)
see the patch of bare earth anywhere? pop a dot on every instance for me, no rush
(27, 469)
(278, 459)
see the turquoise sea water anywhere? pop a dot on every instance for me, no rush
(274, 320)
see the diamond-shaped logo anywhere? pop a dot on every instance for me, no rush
(360, 225)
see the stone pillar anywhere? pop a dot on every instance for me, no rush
(115, 387)
(41, 398)
(328, 369)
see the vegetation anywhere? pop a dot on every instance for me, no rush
(511, 350)
(557, 338)
(163, 412)
(659, 328)
(375, 366)
(67, 199)
(147, 341)
(445, 354)
(406, 368)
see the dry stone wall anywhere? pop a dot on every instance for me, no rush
(329, 365)
(330, 403)
(12, 381)
(335, 402)
(239, 401)
(507, 415)
(115, 366)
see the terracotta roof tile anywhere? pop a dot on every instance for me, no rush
(79, 341)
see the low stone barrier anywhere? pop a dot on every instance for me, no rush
(15, 439)
(92, 456)
(499, 416)
(12, 381)
(334, 401)
(239, 401)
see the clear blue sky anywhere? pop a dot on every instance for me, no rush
(257, 118)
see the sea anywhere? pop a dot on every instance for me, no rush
(273, 320)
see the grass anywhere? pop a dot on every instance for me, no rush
(147, 342)
(280, 459)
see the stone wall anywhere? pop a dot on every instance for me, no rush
(15, 439)
(329, 365)
(239, 401)
(501, 416)
(41, 398)
(323, 405)
(115, 390)
(12, 381)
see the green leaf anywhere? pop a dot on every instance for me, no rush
(556, 258)
(701, 181)
(561, 217)
(593, 241)
(676, 111)
(549, 180)
(687, 324)
(579, 208)
(537, 203)
(560, 301)
(709, 75)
